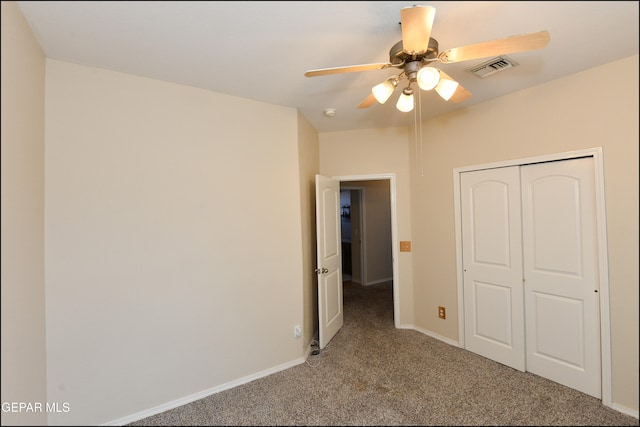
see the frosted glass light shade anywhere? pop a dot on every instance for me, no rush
(381, 92)
(405, 102)
(428, 78)
(446, 88)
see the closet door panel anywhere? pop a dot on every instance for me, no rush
(492, 260)
(561, 273)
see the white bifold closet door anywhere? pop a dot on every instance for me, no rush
(492, 260)
(530, 266)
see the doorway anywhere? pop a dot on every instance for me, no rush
(328, 239)
(355, 184)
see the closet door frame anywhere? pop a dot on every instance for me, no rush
(605, 320)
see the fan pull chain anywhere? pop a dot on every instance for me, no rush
(415, 137)
(417, 132)
(421, 139)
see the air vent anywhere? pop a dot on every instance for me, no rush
(493, 66)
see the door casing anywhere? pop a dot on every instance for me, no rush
(605, 320)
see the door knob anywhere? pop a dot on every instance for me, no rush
(325, 270)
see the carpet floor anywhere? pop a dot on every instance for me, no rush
(374, 374)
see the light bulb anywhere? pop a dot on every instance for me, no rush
(383, 91)
(428, 78)
(405, 102)
(446, 88)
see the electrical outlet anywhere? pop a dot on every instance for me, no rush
(442, 313)
(297, 332)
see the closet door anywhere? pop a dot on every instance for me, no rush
(492, 263)
(561, 273)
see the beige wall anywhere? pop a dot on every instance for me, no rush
(580, 111)
(309, 154)
(23, 301)
(173, 241)
(377, 151)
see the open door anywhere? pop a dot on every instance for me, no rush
(329, 268)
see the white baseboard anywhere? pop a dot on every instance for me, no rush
(431, 334)
(627, 411)
(200, 395)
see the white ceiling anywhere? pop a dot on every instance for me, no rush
(261, 49)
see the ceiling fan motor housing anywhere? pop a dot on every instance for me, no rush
(397, 55)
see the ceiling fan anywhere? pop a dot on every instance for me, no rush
(412, 57)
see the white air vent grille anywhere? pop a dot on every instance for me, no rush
(493, 66)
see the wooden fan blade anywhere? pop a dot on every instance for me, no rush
(512, 44)
(368, 101)
(416, 22)
(461, 94)
(347, 69)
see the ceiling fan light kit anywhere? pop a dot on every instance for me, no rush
(417, 50)
(428, 78)
(405, 102)
(383, 91)
(446, 88)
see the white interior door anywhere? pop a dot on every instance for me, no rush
(561, 273)
(329, 257)
(492, 265)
